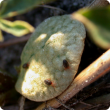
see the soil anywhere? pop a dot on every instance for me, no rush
(10, 57)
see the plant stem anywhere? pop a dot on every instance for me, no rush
(14, 41)
(93, 72)
(98, 3)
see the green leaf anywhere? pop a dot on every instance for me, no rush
(14, 7)
(1, 36)
(2, 5)
(17, 28)
(97, 22)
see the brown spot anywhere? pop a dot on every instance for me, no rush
(48, 82)
(26, 65)
(65, 64)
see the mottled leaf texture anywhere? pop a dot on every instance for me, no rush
(51, 58)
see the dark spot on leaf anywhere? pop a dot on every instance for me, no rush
(48, 82)
(26, 65)
(65, 64)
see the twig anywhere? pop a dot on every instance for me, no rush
(98, 3)
(55, 8)
(14, 41)
(85, 103)
(96, 107)
(21, 103)
(93, 72)
(64, 105)
(85, 106)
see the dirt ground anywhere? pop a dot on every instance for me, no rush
(10, 57)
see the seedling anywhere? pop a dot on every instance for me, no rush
(53, 51)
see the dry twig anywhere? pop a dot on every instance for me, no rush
(93, 72)
(21, 103)
(98, 3)
(14, 41)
